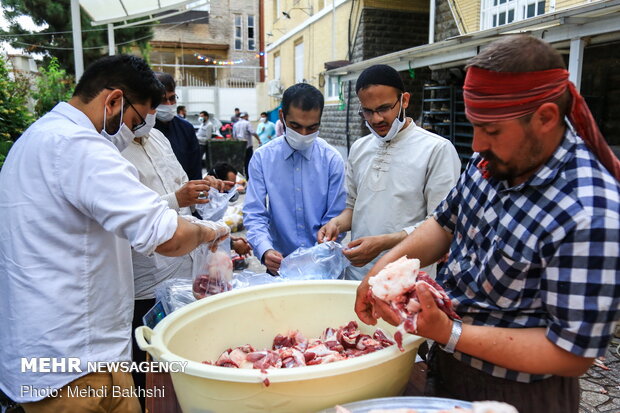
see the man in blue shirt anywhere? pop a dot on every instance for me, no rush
(300, 174)
(179, 132)
(265, 130)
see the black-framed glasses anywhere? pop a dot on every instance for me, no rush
(381, 110)
(142, 120)
(172, 99)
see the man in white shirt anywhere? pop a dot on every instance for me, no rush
(205, 132)
(70, 209)
(242, 130)
(396, 176)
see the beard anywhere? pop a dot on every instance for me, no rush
(113, 124)
(524, 161)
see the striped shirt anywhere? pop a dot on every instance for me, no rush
(544, 253)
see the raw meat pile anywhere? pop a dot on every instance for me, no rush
(396, 285)
(477, 407)
(295, 350)
(217, 276)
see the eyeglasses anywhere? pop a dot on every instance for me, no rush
(142, 120)
(381, 110)
(172, 99)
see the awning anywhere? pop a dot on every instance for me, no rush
(122, 11)
(115, 11)
(599, 22)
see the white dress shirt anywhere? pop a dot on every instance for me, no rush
(158, 169)
(205, 132)
(393, 186)
(70, 207)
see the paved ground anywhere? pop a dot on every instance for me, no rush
(600, 386)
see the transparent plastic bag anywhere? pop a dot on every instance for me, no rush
(215, 209)
(320, 262)
(249, 278)
(212, 271)
(174, 293)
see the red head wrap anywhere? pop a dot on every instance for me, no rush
(499, 96)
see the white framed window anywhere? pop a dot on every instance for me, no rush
(499, 12)
(299, 62)
(238, 32)
(251, 33)
(276, 67)
(332, 90)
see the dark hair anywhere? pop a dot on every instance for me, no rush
(180, 108)
(302, 96)
(263, 113)
(129, 73)
(204, 112)
(379, 75)
(236, 109)
(221, 170)
(167, 80)
(522, 53)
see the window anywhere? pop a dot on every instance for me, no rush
(276, 67)
(299, 62)
(238, 33)
(251, 34)
(499, 12)
(333, 88)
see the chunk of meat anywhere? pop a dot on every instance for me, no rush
(396, 285)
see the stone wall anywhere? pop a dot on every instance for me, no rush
(445, 26)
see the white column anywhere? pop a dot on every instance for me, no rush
(76, 27)
(575, 61)
(111, 43)
(334, 29)
(431, 22)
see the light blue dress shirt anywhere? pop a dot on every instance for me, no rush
(291, 195)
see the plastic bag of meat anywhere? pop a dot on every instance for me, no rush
(215, 209)
(320, 262)
(396, 285)
(212, 271)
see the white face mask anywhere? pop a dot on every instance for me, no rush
(123, 135)
(165, 113)
(146, 128)
(397, 124)
(201, 119)
(298, 141)
(263, 120)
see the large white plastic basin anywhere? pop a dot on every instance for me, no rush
(202, 330)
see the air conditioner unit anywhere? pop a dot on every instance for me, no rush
(275, 88)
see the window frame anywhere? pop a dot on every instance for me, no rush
(237, 38)
(253, 37)
(495, 13)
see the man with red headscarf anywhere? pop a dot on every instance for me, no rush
(533, 234)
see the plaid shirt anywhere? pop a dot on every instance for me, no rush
(544, 253)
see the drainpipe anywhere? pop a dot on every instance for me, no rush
(76, 28)
(111, 42)
(431, 22)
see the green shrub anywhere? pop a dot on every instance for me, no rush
(53, 86)
(14, 114)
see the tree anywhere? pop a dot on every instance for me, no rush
(53, 86)
(14, 114)
(57, 40)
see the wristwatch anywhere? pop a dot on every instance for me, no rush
(454, 337)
